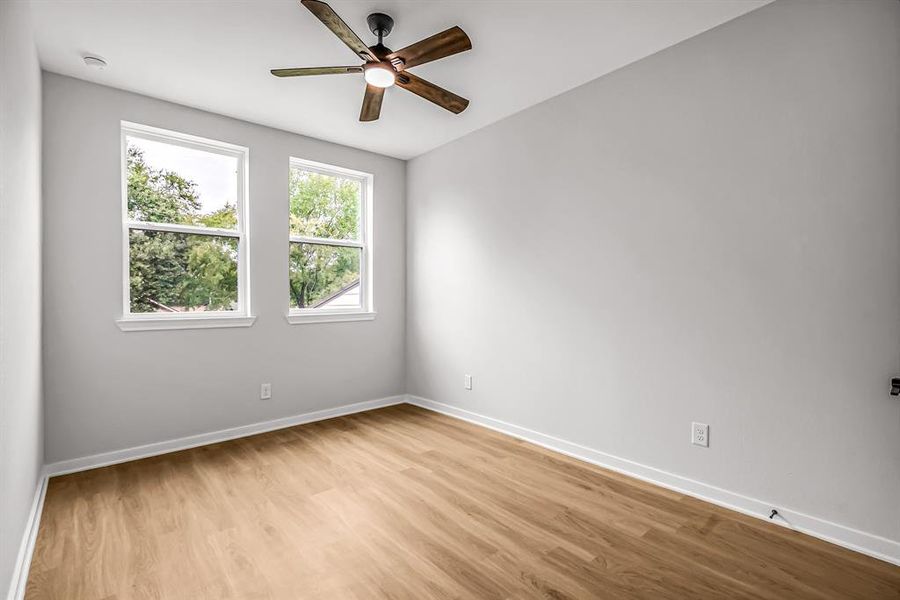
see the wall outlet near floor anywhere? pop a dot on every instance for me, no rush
(468, 382)
(265, 391)
(700, 434)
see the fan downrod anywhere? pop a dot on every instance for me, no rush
(380, 24)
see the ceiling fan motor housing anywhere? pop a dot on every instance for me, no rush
(380, 50)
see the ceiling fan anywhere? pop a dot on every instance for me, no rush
(383, 67)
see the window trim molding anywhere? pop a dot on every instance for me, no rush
(188, 321)
(366, 311)
(243, 317)
(330, 316)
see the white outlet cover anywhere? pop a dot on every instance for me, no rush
(700, 434)
(468, 382)
(265, 391)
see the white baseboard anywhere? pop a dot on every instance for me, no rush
(29, 537)
(859, 541)
(118, 456)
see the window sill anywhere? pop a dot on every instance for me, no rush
(297, 318)
(156, 323)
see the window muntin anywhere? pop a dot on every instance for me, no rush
(329, 255)
(184, 226)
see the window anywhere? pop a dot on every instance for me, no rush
(329, 274)
(184, 226)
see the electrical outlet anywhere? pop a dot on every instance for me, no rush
(265, 391)
(468, 382)
(700, 434)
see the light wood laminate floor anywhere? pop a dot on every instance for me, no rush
(405, 503)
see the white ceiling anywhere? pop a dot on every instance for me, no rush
(217, 55)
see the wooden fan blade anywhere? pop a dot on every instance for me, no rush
(429, 91)
(446, 43)
(301, 71)
(371, 106)
(332, 21)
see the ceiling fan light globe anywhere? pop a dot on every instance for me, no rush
(380, 76)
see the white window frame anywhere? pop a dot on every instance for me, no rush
(366, 310)
(242, 317)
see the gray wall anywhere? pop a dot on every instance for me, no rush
(710, 234)
(106, 389)
(21, 428)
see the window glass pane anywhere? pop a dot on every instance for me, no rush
(324, 276)
(324, 206)
(173, 184)
(179, 272)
